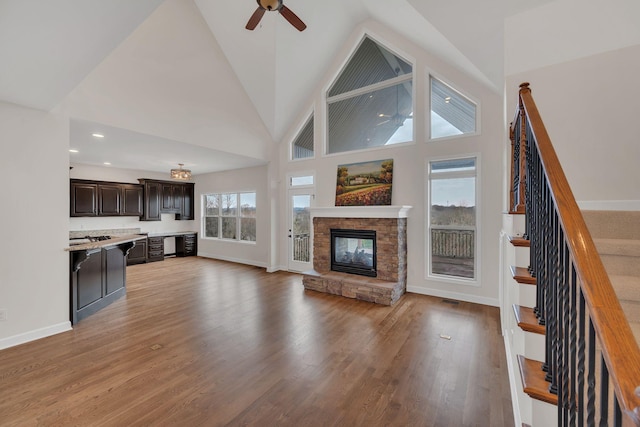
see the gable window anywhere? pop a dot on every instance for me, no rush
(452, 235)
(451, 113)
(371, 102)
(230, 216)
(303, 144)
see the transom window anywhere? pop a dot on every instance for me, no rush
(371, 102)
(229, 216)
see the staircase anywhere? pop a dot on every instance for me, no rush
(617, 238)
(570, 300)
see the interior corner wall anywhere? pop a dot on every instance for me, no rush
(34, 268)
(589, 107)
(256, 180)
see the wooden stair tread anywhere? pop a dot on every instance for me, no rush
(527, 320)
(522, 275)
(533, 382)
(519, 241)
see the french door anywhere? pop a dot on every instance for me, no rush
(300, 239)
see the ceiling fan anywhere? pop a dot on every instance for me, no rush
(273, 6)
(397, 119)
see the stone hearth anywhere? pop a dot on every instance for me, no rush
(390, 225)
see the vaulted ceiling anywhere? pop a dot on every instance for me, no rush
(185, 82)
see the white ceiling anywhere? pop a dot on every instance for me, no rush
(182, 81)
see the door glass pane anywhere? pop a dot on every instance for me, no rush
(301, 227)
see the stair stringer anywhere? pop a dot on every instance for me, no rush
(526, 409)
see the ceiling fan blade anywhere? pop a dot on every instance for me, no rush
(255, 19)
(292, 18)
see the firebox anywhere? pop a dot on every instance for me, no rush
(354, 251)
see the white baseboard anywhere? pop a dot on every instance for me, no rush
(275, 268)
(609, 205)
(494, 302)
(34, 335)
(236, 260)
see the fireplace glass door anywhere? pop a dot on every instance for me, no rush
(354, 251)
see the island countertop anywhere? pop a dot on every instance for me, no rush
(114, 240)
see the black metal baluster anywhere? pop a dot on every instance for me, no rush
(604, 393)
(573, 373)
(591, 376)
(581, 359)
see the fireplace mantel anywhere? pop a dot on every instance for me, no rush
(361, 212)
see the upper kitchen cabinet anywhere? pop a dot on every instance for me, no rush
(84, 198)
(100, 198)
(167, 197)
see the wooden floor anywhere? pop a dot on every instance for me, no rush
(199, 342)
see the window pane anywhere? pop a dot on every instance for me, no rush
(303, 144)
(212, 203)
(453, 201)
(453, 165)
(248, 229)
(377, 118)
(301, 180)
(451, 113)
(229, 204)
(370, 64)
(211, 227)
(452, 217)
(248, 204)
(229, 228)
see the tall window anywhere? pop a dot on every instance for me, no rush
(223, 219)
(371, 102)
(303, 144)
(451, 113)
(452, 210)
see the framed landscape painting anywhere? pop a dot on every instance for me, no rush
(365, 184)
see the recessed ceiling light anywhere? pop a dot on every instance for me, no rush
(107, 163)
(447, 99)
(73, 151)
(97, 135)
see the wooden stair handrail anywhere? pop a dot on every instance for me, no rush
(619, 347)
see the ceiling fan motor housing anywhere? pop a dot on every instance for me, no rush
(270, 4)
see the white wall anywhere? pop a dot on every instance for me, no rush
(409, 183)
(240, 180)
(589, 106)
(34, 280)
(98, 173)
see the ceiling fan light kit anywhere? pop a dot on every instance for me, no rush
(273, 6)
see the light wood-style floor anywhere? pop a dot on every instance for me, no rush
(199, 342)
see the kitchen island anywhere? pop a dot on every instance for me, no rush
(97, 273)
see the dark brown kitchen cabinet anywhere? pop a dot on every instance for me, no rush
(186, 212)
(169, 198)
(84, 198)
(138, 254)
(152, 196)
(102, 198)
(155, 250)
(132, 200)
(109, 199)
(97, 278)
(187, 245)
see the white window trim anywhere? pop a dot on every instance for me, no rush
(475, 282)
(220, 216)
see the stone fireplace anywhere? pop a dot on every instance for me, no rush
(389, 226)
